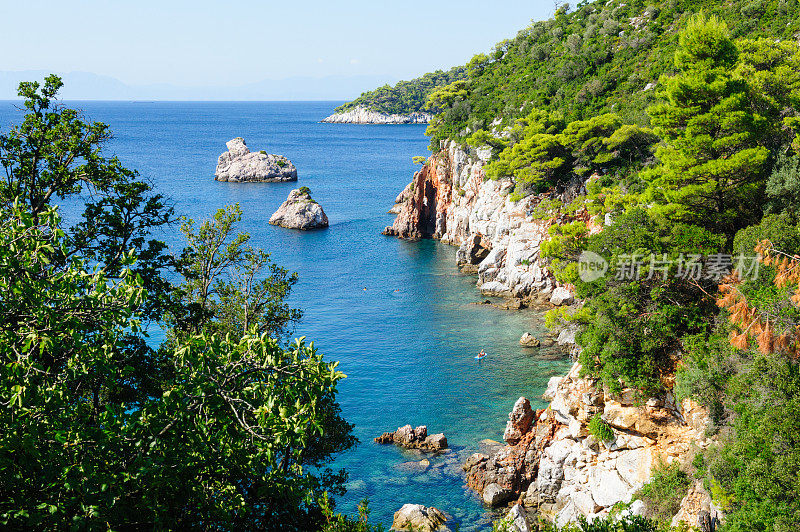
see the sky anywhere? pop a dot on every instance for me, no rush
(226, 44)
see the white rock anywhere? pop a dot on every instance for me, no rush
(608, 488)
(584, 502)
(552, 386)
(561, 296)
(419, 518)
(518, 519)
(362, 115)
(299, 211)
(239, 164)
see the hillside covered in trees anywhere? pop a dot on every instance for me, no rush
(405, 97)
(674, 126)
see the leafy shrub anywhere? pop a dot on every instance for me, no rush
(663, 494)
(601, 430)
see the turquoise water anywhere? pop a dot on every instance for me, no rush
(407, 342)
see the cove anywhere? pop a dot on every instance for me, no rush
(407, 342)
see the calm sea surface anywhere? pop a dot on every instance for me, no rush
(407, 342)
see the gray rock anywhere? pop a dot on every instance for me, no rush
(239, 165)
(299, 211)
(436, 442)
(548, 479)
(472, 250)
(528, 340)
(419, 518)
(494, 494)
(517, 519)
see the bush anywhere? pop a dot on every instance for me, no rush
(601, 430)
(663, 494)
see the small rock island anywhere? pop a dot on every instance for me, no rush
(300, 211)
(240, 165)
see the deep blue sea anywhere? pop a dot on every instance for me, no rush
(407, 342)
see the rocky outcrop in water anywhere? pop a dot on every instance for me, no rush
(300, 211)
(414, 438)
(554, 466)
(240, 165)
(419, 518)
(362, 115)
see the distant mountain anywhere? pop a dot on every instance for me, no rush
(89, 86)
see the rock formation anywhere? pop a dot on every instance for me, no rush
(449, 199)
(240, 165)
(362, 115)
(553, 464)
(419, 518)
(414, 438)
(299, 211)
(528, 340)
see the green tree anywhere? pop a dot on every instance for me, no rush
(225, 289)
(54, 154)
(714, 158)
(220, 445)
(221, 427)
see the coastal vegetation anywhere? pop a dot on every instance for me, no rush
(226, 424)
(405, 97)
(662, 137)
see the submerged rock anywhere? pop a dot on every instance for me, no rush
(240, 165)
(299, 211)
(419, 518)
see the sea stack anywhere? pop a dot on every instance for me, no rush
(240, 165)
(300, 211)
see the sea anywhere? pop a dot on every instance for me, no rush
(400, 318)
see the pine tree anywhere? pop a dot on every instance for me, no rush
(714, 156)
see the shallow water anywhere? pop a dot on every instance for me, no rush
(407, 342)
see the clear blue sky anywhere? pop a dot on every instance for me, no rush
(202, 43)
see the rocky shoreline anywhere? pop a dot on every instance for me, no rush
(550, 466)
(362, 115)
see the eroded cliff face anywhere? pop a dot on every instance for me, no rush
(451, 200)
(552, 466)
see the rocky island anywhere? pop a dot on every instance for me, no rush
(240, 165)
(300, 211)
(362, 115)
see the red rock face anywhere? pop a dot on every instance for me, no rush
(514, 467)
(424, 214)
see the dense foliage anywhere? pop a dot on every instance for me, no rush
(672, 126)
(225, 425)
(603, 57)
(405, 97)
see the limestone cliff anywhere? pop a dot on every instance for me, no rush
(550, 465)
(451, 200)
